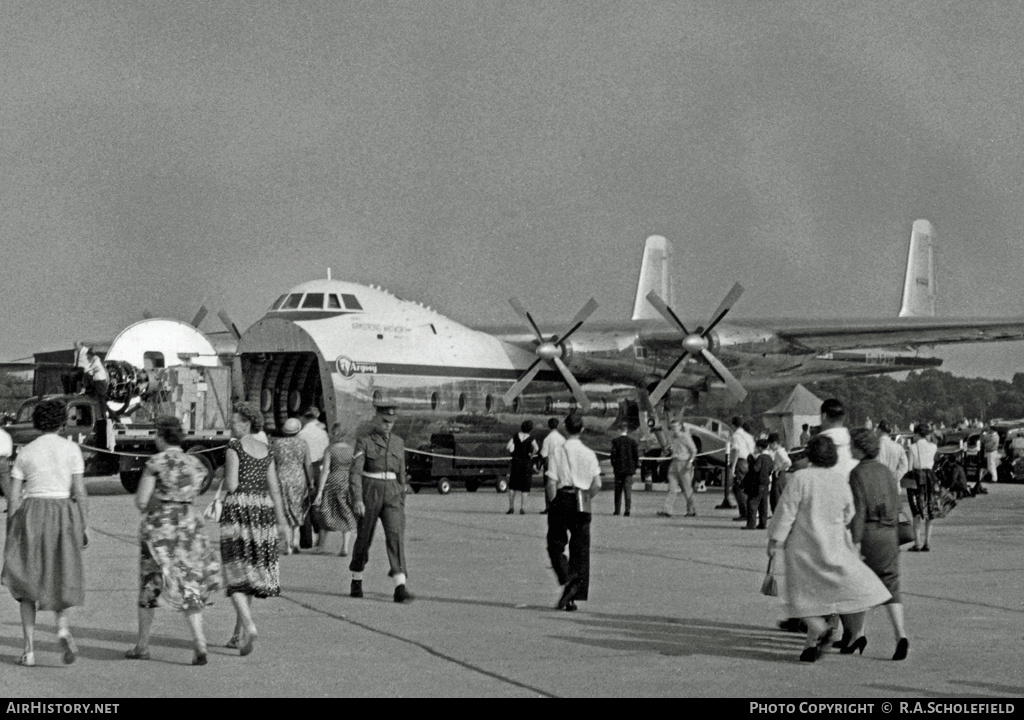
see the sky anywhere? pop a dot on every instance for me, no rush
(158, 154)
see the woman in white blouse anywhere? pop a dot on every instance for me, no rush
(920, 495)
(46, 529)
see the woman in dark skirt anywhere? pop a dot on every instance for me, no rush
(877, 502)
(46, 530)
(252, 525)
(523, 449)
(922, 483)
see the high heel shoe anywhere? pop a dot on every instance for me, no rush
(199, 658)
(843, 641)
(809, 655)
(902, 647)
(233, 642)
(857, 645)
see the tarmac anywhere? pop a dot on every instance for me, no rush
(674, 611)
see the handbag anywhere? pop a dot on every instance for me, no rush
(214, 509)
(905, 530)
(770, 586)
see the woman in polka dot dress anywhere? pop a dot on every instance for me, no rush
(252, 525)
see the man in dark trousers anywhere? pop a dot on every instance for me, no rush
(577, 479)
(625, 457)
(378, 488)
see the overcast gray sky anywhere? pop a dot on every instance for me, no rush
(461, 152)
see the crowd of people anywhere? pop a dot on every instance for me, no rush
(271, 490)
(834, 518)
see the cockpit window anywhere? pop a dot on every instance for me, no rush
(351, 303)
(277, 303)
(314, 300)
(292, 302)
(333, 302)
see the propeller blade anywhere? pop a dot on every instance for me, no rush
(734, 385)
(670, 379)
(200, 316)
(232, 328)
(520, 384)
(580, 318)
(666, 312)
(581, 397)
(724, 307)
(517, 306)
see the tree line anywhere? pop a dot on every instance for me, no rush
(928, 395)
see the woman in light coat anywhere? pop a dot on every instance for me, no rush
(824, 573)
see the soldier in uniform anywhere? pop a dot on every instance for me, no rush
(378, 489)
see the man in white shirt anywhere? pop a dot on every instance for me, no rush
(891, 454)
(314, 433)
(833, 424)
(6, 450)
(570, 489)
(552, 442)
(741, 450)
(99, 377)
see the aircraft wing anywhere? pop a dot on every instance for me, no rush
(897, 333)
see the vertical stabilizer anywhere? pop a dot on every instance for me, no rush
(655, 274)
(919, 284)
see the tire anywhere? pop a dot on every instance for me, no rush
(501, 485)
(472, 485)
(211, 472)
(130, 480)
(444, 486)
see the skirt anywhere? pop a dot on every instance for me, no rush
(177, 564)
(334, 513)
(43, 555)
(249, 545)
(520, 475)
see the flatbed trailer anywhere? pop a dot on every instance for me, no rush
(199, 396)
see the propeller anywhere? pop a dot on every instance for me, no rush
(200, 315)
(229, 324)
(697, 343)
(550, 350)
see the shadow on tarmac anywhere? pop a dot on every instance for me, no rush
(88, 650)
(675, 636)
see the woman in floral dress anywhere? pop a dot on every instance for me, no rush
(291, 459)
(178, 566)
(252, 524)
(333, 497)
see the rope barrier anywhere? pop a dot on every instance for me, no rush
(507, 459)
(136, 455)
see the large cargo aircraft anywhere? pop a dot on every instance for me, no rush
(343, 346)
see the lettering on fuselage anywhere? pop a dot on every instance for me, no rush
(378, 327)
(347, 367)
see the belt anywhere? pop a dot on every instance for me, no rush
(175, 502)
(567, 490)
(380, 475)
